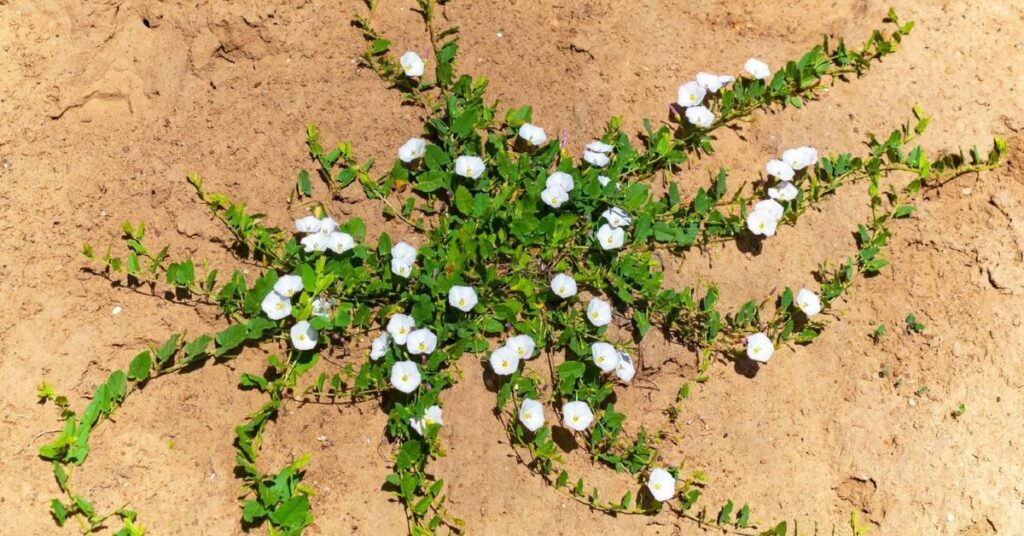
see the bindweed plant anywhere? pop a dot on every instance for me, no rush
(530, 264)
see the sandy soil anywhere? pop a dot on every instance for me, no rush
(106, 105)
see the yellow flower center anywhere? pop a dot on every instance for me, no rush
(462, 301)
(520, 351)
(657, 486)
(504, 364)
(561, 290)
(280, 306)
(405, 377)
(423, 346)
(594, 315)
(761, 226)
(575, 418)
(755, 349)
(302, 336)
(693, 98)
(526, 416)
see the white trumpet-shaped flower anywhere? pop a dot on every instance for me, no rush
(700, 116)
(522, 345)
(431, 416)
(661, 484)
(403, 252)
(577, 415)
(599, 312)
(303, 336)
(800, 157)
(617, 217)
(400, 326)
(596, 159)
(771, 207)
(288, 285)
(412, 64)
(531, 414)
(421, 341)
(808, 302)
(339, 242)
(554, 196)
(412, 150)
(605, 356)
(760, 347)
(315, 242)
(598, 146)
(611, 237)
(276, 306)
(563, 285)
(401, 268)
(760, 222)
(757, 68)
(462, 298)
(504, 361)
(470, 167)
(533, 134)
(308, 224)
(780, 169)
(405, 376)
(625, 370)
(328, 225)
(713, 82)
(784, 191)
(560, 179)
(691, 94)
(380, 346)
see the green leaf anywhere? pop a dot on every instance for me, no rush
(304, 185)
(293, 513)
(725, 514)
(59, 512)
(463, 200)
(138, 370)
(230, 338)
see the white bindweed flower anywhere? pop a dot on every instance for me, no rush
(504, 361)
(308, 224)
(560, 179)
(598, 146)
(605, 356)
(400, 326)
(522, 345)
(405, 376)
(531, 414)
(403, 252)
(533, 134)
(603, 180)
(412, 150)
(462, 298)
(808, 302)
(784, 191)
(661, 484)
(596, 159)
(757, 68)
(713, 82)
(303, 336)
(771, 207)
(611, 237)
(328, 225)
(554, 196)
(577, 415)
(421, 341)
(700, 116)
(599, 312)
(470, 167)
(288, 285)
(801, 157)
(563, 285)
(625, 370)
(380, 346)
(691, 94)
(431, 416)
(339, 242)
(779, 169)
(762, 223)
(276, 306)
(321, 307)
(401, 268)
(412, 64)
(760, 347)
(315, 242)
(617, 217)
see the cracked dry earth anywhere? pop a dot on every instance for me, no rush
(106, 105)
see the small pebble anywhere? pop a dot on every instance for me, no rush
(949, 517)
(500, 35)
(912, 402)
(116, 310)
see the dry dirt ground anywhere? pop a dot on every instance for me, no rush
(106, 105)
